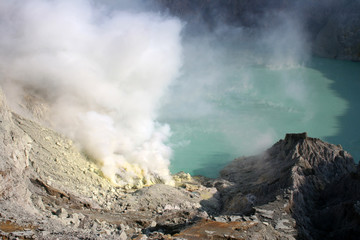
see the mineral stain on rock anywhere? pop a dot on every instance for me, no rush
(8, 226)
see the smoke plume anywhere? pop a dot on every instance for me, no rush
(102, 73)
(227, 64)
(107, 71)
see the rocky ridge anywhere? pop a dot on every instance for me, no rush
(301, 188)
(285, 187)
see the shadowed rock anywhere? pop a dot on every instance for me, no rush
(300, 181)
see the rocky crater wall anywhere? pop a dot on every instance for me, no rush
(332, 27)
(300, 188)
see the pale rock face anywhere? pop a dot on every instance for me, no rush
(48, 184)
(14, 164)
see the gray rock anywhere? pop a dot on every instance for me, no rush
(233, 218)
(265, 213)
(61, 213)
(221, 219)
(153, 224)
(283, 224)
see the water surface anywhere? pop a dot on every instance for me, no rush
(241, 109)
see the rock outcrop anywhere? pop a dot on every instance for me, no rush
(301, 186)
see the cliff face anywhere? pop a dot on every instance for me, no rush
(241, 13)
(335, 29)
(332, 27)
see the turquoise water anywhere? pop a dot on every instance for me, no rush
(236, 109)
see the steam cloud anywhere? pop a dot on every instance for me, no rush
(102, 72)
(278, 43)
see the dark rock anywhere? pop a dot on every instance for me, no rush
(331, 27)
(302, 186)
(295, 136)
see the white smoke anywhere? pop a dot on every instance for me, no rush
(236, 77)
(103, 73)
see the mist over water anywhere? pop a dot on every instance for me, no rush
(241, 90)
(255, 106)
(136, 88)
